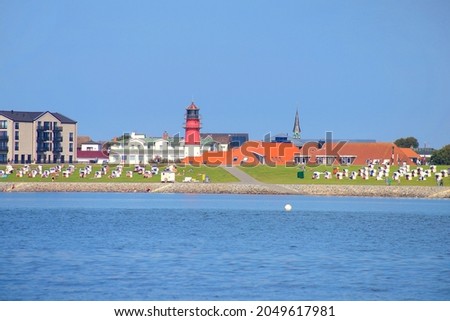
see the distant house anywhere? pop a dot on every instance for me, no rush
(349, 153)
(223, 141)
(287, 153)
(139, 149)
(91, 152)
(424, 153)
(411, 154)
(250, 153)
(91, 146)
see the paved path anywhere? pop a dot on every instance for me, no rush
(244, 178)
(241, 176)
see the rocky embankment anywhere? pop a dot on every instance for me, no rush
(233, 188)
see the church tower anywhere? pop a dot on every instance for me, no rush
(192, 125)
(296, 131)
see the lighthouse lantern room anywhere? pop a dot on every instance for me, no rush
(192, 131)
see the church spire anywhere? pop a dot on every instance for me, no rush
(296, 129)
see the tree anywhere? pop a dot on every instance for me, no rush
(407, 142)
(441, 156)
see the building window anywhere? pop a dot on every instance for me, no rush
(16, 136)
(16, 146)
(3, 124)
(70, 147)
(16, 125)
(70, 137)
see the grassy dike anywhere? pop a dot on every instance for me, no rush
(273, 181)
(263, 173)
(216, 175)
(288, 175)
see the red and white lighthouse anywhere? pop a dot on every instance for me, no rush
(192, 125)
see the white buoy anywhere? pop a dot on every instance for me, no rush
(287, 207)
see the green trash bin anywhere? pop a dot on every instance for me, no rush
(300, 174)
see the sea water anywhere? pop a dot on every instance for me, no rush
(108, 246)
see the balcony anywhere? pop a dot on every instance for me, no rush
(57, 149)
(57, 129)
(3, 148)
(4, 138)
(43, 128)
(43, 149)
(41, 139)
(58, 139)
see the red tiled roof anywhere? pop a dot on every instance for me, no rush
(410, 153)
(361, 151)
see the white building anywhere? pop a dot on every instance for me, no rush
(91, 152)
(91, 146)
(139, 149)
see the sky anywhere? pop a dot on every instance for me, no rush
(360, 69)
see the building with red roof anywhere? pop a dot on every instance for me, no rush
(411, 154)
(350, 153)
(91, 152)
(288, 154)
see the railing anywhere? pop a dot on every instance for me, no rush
(43, 149)
(43, 139)
(3, 148)
(58, 139)
(57, 149)
(57, 128)
(42, 128)
(4, 138)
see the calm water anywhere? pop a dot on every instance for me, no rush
(85, 246)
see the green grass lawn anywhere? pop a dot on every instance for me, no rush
(288, 175)
(263, 173)
(216, 175)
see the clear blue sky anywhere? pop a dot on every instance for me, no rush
(361, 69)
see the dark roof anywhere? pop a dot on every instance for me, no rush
(82, 140)
(222, 138)
(21, 116)
(30, 116)
(63, 119)
(90, 142)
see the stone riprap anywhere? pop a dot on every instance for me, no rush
(233, 188)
